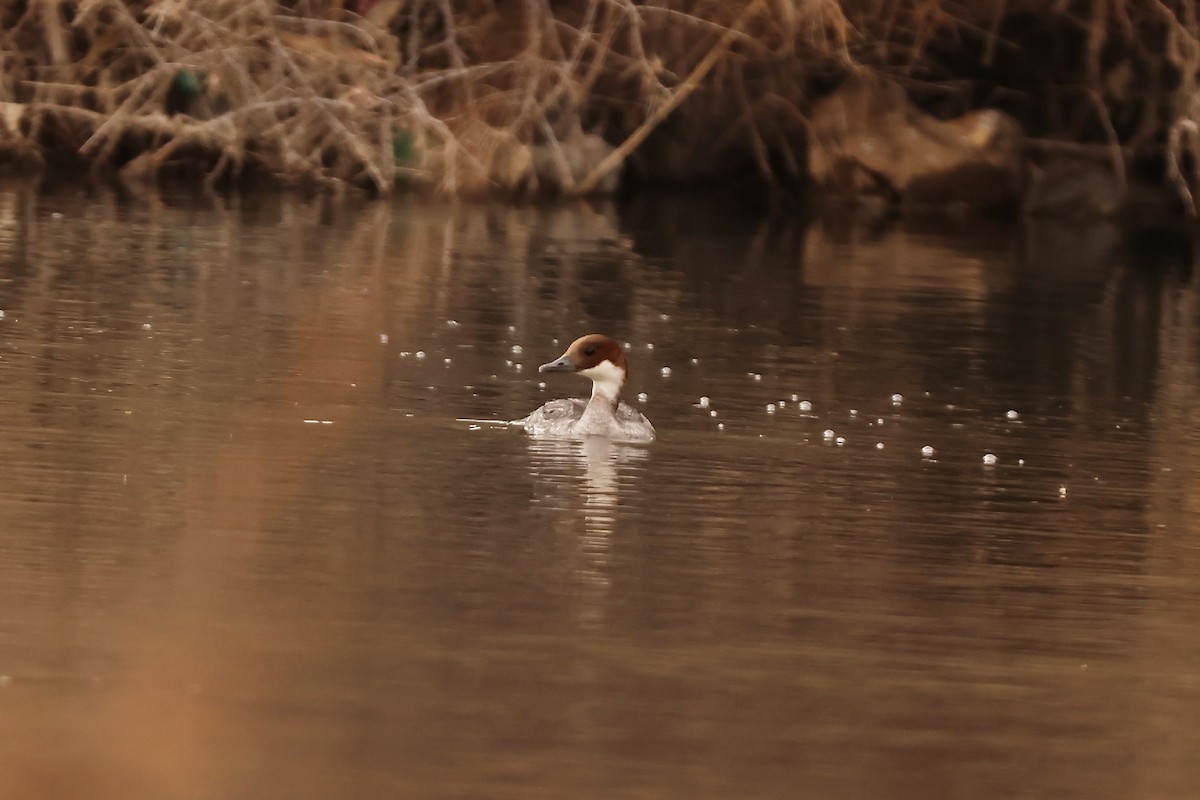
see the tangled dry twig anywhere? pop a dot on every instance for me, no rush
(470, 96)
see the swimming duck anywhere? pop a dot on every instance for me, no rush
(598, 357)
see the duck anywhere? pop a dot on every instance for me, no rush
(601, 359)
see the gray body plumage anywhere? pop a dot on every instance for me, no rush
(574, 418)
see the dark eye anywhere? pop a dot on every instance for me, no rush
(590, 350)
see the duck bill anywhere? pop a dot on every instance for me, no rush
(561, 364)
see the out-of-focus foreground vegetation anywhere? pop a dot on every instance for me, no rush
(564, 96)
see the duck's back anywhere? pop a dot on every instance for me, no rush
(560, 418)
(554, 418)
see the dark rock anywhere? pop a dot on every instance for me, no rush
(868, 139)
(1077, 188)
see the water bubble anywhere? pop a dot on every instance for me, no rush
(695, 361)
(508, 362)
(541, 384)
(1012, 414)
(145, 326)
(419, 354)
(517, 349)
(384, 338)
(1020, 462)
(854, 412)
(805, 405)
(712, 413)
(649, 345)
(990, 459)
(879, 420)
(1062, 491)
(643, 397)
(755, 375)
(628, 346)
(518, 367)
(720, 426)
(897, 399)
(664, 317)
(446, 361)
(453, 323)
(770, 408)
(927, 452)
(795, 398)
(879, 445)
(404, 354)
(782, 403)
(840, 441)
(1, 315)
(828, 434)
(704, 401)
(666, 372)
(512, 328)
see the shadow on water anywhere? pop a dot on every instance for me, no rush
(246, 550)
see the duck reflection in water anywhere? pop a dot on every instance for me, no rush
(605, 467)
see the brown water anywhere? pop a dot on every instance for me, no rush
(247, 551)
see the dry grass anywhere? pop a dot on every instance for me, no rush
(471, 96)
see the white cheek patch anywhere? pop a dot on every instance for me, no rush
(605, 372)
(607, 378)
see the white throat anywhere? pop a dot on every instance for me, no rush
(607, 380)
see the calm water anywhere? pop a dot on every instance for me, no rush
(247, 551)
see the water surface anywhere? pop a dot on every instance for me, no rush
(247, 550)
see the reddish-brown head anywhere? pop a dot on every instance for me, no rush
(587, 352)
(597, 357)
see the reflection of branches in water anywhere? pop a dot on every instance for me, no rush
(596, 499)
(1175, 411)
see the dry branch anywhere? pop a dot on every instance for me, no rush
(475, 95)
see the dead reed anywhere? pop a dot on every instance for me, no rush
(475, 96)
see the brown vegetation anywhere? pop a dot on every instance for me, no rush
(470, 96)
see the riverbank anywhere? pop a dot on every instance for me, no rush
(901, 101)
